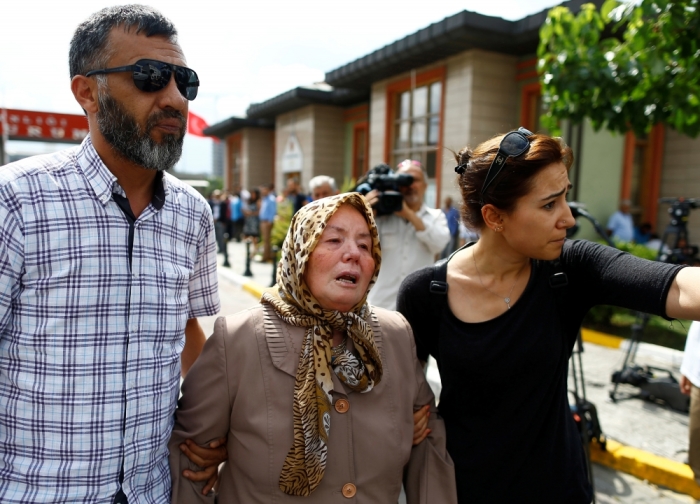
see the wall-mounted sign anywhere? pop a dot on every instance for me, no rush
(43, 126)
(292, 157)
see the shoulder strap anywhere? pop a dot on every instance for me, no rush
(558, 281)
(438, 295)
(438, 285)
(438, 291)
(558, 278)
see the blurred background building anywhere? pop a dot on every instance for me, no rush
(455, 82)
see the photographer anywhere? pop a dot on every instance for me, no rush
(410, 238)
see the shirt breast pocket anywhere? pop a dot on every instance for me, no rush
(389, 234)
(172, 286)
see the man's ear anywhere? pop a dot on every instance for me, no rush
(85, 92)
(492, 216)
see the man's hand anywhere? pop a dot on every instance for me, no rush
(372, 198)
(420, 424)
(208, 458)
(407, 213)
(685, 385)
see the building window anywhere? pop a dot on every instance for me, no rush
(416, 122)
(360, 145)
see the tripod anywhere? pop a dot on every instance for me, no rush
(675, 247)
(584, 411)
(653, 382)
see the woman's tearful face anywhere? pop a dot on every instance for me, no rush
(341, 266)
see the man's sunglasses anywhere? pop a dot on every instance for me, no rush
(513, 144)
(152, 75)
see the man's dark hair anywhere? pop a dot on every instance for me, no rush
(89, 48)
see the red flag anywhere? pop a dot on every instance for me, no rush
(196, 125)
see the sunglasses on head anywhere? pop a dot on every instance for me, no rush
(513, 144)
(152, 75)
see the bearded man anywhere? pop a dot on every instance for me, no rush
(106, 262)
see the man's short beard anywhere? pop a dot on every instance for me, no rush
(130, 141)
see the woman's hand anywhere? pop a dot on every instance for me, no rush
(420, 424)
(208, 458)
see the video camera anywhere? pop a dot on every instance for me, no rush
(680, 208)
(675, 247)
(387, 182)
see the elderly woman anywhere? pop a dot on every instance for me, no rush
(314, 389)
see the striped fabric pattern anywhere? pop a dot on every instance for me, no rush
(89, 346)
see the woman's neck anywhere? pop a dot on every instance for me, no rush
(485, 282)
(338, 337)
(494, 259)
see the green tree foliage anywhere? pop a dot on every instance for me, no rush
(215, 183)
(625, 67)
(280, 225)
(349, 184)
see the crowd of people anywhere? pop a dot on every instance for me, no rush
(318, 393)
(244, 214)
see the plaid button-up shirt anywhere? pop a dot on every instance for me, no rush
(89, 344)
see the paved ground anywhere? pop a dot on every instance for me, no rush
(634, 422)
(614, 487)
(233, 298)
(641, 424)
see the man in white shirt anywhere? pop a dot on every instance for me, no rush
(410, 238)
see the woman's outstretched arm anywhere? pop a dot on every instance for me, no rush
(683, 299)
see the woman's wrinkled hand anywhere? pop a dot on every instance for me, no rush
(208, 458)
(420, 424)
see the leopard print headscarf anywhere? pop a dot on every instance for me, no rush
(294, 303)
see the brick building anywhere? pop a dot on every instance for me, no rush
(458, 81)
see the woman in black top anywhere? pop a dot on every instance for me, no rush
(504, 337)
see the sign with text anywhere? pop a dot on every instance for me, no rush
(292, 157)
(43, 126)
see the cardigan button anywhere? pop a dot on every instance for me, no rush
(342, 406)
(349, 490)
